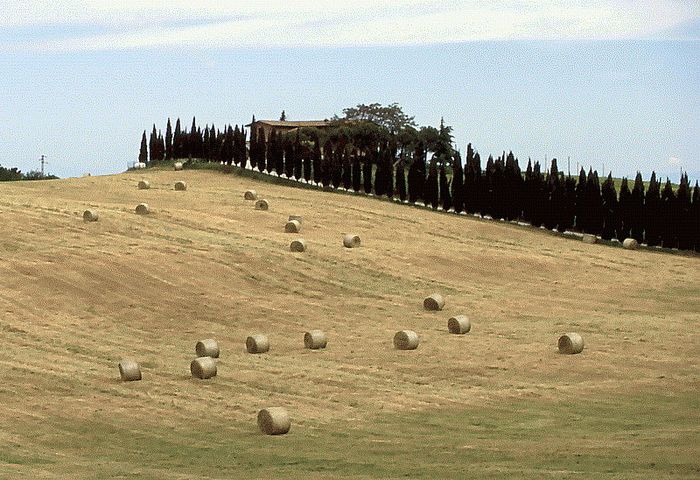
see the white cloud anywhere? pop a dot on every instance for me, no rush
(674, 162)
(271, 23)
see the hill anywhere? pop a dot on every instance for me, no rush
(77, 297)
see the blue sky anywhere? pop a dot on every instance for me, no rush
(612, 83)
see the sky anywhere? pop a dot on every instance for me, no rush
(611, 84)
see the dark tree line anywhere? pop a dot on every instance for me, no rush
(364, 157)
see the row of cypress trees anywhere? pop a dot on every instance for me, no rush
(655, 214)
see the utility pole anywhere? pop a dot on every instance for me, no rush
(43, 162)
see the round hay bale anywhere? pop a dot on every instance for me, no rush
(129, 371)
(143, 209)
(298, 245)
(292, 226)
(588, 238)
(274, 421)
(178, 166)
(203, 367)
(250, 195)
(351, 241)
(261, 204)
(141, 165)
(434, 302)
(406, 340)
(630, 244)
(207, 348)
(257, 343)
(298, 218)
(90, 216)
(459, 324)
(144, 185)
(181, 186)
(315, 339)
(570, 343)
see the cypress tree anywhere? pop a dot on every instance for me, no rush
(206, 139)
(327, 164)
(261, 150)
(289, 158)
(652, 205)
(624, 211)
(276, 143)
(596, 202)
(379, 180)
(480, 189)
(539, 193)
(317, 162)
(445, 197)
(271, 152)
(432, 195)
(569, 210)
(306, 160)
(230, 141)
(356, 171)
(695, 217)
(244, 150)
(337, 165)
(389, 171)
(610, 209)
(178, 141)
(469, 184)
(416, 175)
(582, 213)
(297, 157)
(367, 170)
(236, 145)
(143, 153)
(169, 141)
(347, 170)
(253, 145)
(554, 197)
(457, 183)
(401, 179)
(637, 209)
(682, 224)
(152, 145)
(528, 196)
(668, 211)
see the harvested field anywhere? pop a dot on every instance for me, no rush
(77, 298)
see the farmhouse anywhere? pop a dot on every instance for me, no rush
(285, 126)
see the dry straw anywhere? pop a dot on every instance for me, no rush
(144, 185)
(203, 367)
(570, 343)
(90, 216)
(298, 245)
(434, 302)
(143, 209)
(315, 339)
(129, 371)
(261, 204)
(274, 421)
(292, 226)
(178, 166)
(250, 195)
(207, 348)
(257, 343)
(351, 241)
(630, 244)
(459, 324)
(406, 340)
(588, 238)
(182, 186)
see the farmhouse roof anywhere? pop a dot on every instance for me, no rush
(293, 124)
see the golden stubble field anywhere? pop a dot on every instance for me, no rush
(77, 297)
